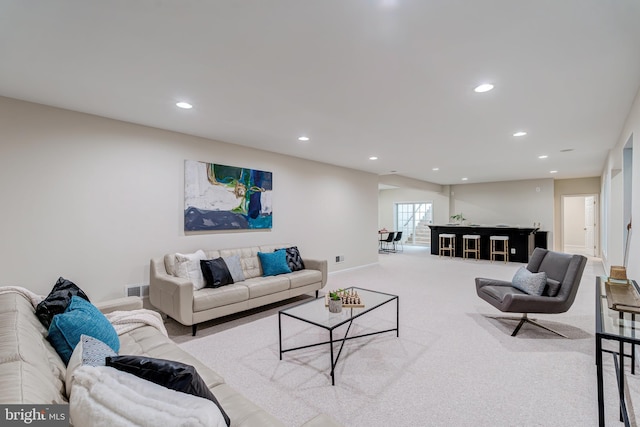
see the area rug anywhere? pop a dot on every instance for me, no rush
(453, 364)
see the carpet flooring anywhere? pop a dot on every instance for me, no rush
(453, 364)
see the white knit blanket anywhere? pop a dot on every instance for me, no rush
(102, 396)
(126, 321)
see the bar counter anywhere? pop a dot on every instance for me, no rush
(521, 239)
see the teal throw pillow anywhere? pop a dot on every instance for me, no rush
(80, 318)
(528, 282)
(274, 263)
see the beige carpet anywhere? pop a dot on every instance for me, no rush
(451, 366)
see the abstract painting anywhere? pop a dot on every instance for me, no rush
(219, 197)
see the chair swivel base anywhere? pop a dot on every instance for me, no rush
(524, 319)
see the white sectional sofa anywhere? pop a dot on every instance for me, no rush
(178, 298)
(31, 372)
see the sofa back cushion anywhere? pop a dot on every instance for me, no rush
(248, 260)
(31, 372)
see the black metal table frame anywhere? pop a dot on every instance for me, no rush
(330, 329)
(618, 356)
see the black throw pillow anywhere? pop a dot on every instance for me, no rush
(58, 300)
(294, 260)
(167, 373)
(215, 272)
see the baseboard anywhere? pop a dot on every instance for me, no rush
(331, 273)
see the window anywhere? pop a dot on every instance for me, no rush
(413, 220)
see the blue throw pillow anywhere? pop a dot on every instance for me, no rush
(80, 318)
(274, 263)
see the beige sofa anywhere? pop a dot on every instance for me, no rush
(31, 372)
(177, 298)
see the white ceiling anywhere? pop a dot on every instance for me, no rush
(390, 78)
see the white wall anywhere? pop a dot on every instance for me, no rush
(515, 203)
(93, 199)
(613, 167)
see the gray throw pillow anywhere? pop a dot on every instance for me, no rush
(235, 268)
(553, 286)
(94, 351)
(528, 282)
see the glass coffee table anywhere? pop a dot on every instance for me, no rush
(618, 326)
(316, 313)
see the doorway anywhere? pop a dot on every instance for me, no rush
(413, 220)
(580, 224)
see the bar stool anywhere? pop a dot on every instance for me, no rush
(504, 251)
(447, 242)
(467, 249)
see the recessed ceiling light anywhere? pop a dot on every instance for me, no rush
(303, 138)
(435, 169)
(520, 133)
(485, 87)
(184, 105)
(373, 158)
(553, 171)
(465, 179)
(544, 156)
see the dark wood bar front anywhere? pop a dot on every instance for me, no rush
(521, 239)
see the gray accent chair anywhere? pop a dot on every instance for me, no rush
(564, 272)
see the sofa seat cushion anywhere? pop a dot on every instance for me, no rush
(207, 298)
(146, 341)
(261, 286)
(304, 277)
(241, 410)
(499, 292)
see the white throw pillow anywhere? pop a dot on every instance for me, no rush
(89, 351)
(105, 397)
(188, 267)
